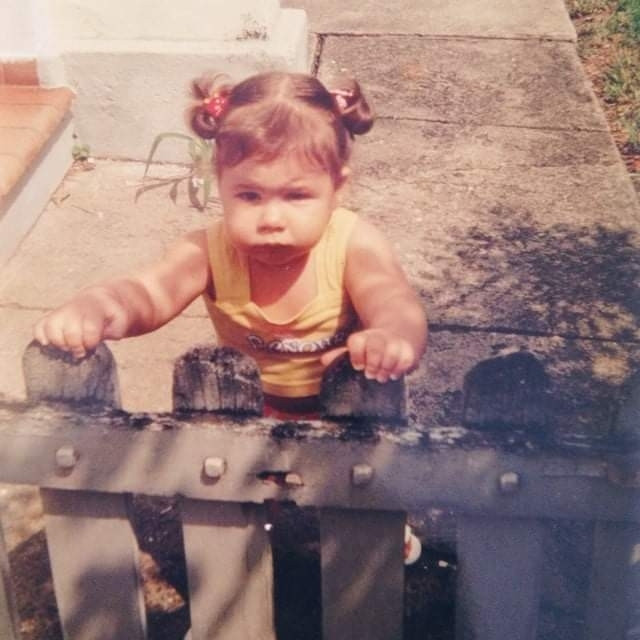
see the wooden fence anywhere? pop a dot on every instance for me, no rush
(363, 467)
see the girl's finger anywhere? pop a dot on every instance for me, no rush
(327, 358)
(39, 333)
(356, 345)
(389, 363)
(374, 352)
(405, 361)
(52, 327)
(91, 333)
(73, 338)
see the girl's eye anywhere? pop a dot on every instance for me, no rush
(248, 196)
(298, 195)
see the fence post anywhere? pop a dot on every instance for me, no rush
(361, 551)
(52, 374)
(615, 580)
(8, 610)
(500, 559)
(612, 609)
(209, 378)
(230, 570)
(362, 574)
(92, 548)
(510, 391)
(94, 563)
(227, 549)
(348, 394)
(498, 584)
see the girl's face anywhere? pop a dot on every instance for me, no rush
(275, 212)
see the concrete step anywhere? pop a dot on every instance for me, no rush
(36, 140)
(513, 19)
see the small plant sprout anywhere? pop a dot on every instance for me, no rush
(81, 152)
(199, 175)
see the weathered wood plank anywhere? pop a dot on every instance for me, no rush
(210, 378)
(94, 563)
(160, 455)
(506, 391)
(615, 581)
(230, 571)
(362, 574)
(347, 393)
(499, 564)
(52, 374)
(8, 610)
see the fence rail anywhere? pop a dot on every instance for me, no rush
(363, 473)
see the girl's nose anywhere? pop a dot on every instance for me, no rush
(270, 218)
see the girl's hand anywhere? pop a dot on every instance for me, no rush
(380, 354)
(81, 324)
(132, 305)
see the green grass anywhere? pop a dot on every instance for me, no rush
(580, 8)
(631, 123)
(630, 9)
(606, 27)
(622, 79)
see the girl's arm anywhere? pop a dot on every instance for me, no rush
(395, 325)
(130, 305)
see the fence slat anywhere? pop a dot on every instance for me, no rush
(615, 580)
(93, 555)
(8, 611)
(362, 574)
(230, 571)
(209, 378)
(498, 591)
(52, 374)
(347, 393)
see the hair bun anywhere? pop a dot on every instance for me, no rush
(357, 115)
(202, 123)
(205, 91)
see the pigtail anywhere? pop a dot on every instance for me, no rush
(357, 115)
(210, 96)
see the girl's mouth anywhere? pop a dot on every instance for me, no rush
(275, 254)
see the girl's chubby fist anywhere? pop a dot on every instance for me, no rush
(81, 324)
(380, 354)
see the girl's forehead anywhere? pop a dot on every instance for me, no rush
(289, 168)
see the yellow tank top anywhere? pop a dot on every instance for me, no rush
(288, 354)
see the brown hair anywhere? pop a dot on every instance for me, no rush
(273, 113)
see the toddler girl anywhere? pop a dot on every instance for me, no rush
(288, 276)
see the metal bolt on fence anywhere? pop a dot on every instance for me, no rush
(509, 482)
(66, 457)
(214, 467)
(361, 474)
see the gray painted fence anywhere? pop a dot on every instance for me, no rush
(363, 466)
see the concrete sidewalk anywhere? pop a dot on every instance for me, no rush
(491, 169)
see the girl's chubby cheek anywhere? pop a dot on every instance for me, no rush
(239, 235)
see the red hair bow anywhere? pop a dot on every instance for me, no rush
(215, 105)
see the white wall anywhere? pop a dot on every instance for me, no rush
(131, 61)
(26, 32)
(17, 29)
(163, 19)
(29, 26)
